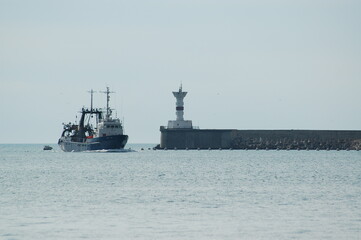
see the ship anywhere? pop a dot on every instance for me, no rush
(108, 133)
(47, 148)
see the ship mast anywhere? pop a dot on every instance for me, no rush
(91, 99)
(109, 111)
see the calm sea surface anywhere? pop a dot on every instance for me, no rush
(179, 194)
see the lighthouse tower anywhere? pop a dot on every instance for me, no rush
(180, 122)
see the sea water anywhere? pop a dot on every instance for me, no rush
(206, 194)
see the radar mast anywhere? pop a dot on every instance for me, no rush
(91, 99)
(109, 111)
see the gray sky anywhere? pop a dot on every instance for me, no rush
(247, 64)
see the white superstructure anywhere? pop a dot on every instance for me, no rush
(180, 122)
(109, 126)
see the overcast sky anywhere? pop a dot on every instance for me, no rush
(246, 64)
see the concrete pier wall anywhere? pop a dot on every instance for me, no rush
(259, 139)
(195, 138)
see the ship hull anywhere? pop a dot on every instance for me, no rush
(92, 144)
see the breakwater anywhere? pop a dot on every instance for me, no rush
(259, 139)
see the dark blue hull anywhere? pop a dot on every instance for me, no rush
(91, 144)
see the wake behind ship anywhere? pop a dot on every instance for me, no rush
(108, 133)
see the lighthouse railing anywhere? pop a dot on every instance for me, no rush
(165, 128)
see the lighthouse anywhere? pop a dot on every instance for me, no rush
(180, 122)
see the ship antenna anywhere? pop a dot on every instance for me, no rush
(91, 99)
(109, 111)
